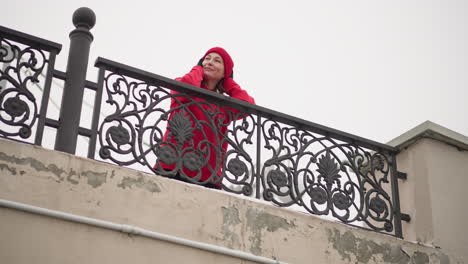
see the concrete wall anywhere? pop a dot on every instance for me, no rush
(435, 194)
(58, 181)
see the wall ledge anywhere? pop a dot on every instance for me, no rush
(433, 131)
(89, 188)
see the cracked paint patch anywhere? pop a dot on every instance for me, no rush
(140, 182)
(95, 179)
(420, 258)
(443, 259)
(70, 178)
(230, 219)
(7, 168)
(258, 220)
(35, 164)
(352, 248)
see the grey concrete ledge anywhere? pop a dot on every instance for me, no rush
(79, 186)
(430, 130)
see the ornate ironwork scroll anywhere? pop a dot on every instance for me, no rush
(205, 139)
(327, 177)
(25, 62)
(18, 106)
(174, 141)
(265, 155)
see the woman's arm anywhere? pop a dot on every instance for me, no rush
(194, 77)
(235, 91)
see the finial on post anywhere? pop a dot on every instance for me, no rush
(84, 17)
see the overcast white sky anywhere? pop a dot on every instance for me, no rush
(372, 68)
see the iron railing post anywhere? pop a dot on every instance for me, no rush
(258, 173)
(77, 65)
(396, 198)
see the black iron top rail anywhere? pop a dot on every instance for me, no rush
(241, 105)
(30, 40)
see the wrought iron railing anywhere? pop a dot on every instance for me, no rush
(270, 155)
(20, 109)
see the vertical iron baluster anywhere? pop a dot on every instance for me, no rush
(96, 113)
(259, 149)
(396, 198)
(45, 98)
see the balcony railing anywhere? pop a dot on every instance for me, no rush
(270, 155)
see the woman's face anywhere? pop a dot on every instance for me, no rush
(213, 67)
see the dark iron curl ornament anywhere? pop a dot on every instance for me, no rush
(318, 195)
(18, 105)
(327, 177)
(237, 167)
(15, 107)
(119, 135)
(139, 129)
(278, 178)
(265, 158)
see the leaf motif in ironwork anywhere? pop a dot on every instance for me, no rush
(181, 127)
(328, 169)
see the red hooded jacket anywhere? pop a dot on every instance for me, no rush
(202, 154)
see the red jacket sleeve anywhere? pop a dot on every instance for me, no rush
(234, 90)
(194, 77)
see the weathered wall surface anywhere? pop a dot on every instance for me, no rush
(59, 181)
(435, 195)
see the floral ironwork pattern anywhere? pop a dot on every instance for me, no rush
(21, 68)
(324, 176)
(181, 127)
(141, 118)
(265, 158)
(269, 155)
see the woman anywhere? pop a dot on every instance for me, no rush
(194, 142)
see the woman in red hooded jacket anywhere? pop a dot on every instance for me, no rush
(194, 142)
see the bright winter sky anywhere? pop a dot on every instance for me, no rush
(372, 68)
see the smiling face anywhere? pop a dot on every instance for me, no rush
(213, 66)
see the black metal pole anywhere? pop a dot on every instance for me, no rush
(258, 174)
(77, 65)
(45, 99)
(396, 198)
(96, 112)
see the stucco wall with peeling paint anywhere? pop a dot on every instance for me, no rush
(58, 181)
(435, 195)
